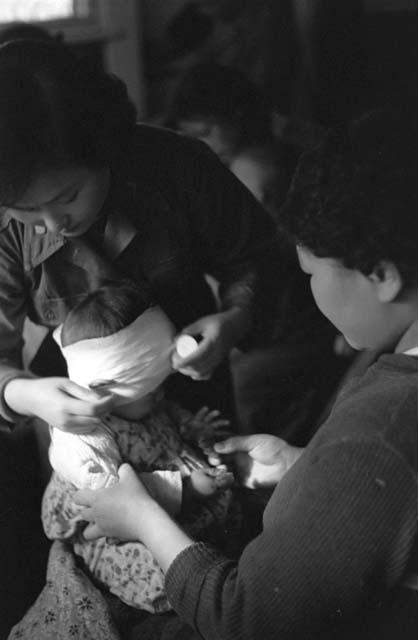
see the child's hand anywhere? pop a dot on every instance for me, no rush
(207, 421)
(206, 427)
(205, 483)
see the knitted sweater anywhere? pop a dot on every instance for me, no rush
(339, 532)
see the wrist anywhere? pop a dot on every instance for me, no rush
(16, 396)
(289, 457)
(240, 321)
(160, 534)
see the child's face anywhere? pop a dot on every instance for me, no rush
(65, 201)
(349, 300)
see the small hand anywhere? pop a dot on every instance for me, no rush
(261, 460)
(59, 402)
(205, 426)
(205, 483)
(220, 332)
(115, 512)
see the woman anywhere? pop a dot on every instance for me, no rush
(87, 195)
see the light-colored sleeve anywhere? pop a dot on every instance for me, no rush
(88, 461)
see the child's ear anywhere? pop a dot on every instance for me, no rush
(387, 279)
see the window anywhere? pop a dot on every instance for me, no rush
(109, 27)
(43, 10)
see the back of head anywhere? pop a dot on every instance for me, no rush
(210, 91)
(26, 31)
(355, 197)
(105, 311)
(115, 339)
(56, 111)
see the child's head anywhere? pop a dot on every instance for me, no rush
(220, 106)
(117, 341)
(352, 211)
(62, 124)
(104, 311)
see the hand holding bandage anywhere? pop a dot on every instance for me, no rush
(219, 332)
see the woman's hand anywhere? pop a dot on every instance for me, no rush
(117, 510)
(128, 512)
(59, 402)
(261, 460)
(220, 332)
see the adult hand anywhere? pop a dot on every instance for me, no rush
(219, 332)
(115, 511)
(59, 402)
(261, 460)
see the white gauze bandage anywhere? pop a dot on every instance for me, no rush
(131, 363)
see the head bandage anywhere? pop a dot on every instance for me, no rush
(131, 362)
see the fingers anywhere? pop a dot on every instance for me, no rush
(195, 375)
(88, 402)
(236, 443)
(213, 418)
(92, 531)
(84, 498)
(213, 458)
(126, 473)
(210, 418)
(201, 363)
(193, 329)
(201, 414)
(218, 424)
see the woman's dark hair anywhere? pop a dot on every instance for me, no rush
(56, 111)
(355, 198)
(26, 31)
(224, 94)
(109, 309)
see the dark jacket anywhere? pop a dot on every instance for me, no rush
(173, 214)
(338, 553)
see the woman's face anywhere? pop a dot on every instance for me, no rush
(64, 201)
(219, 137)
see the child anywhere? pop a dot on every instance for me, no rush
(116, 341)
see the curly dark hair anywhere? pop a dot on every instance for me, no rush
(355, 197)
(56, 110)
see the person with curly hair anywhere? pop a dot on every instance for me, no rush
(338, 554)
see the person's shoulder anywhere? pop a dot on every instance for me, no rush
(155, 141)
(382, 403)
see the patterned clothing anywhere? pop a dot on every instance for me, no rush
(129, 570)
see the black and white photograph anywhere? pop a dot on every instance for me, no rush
(208, 319)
